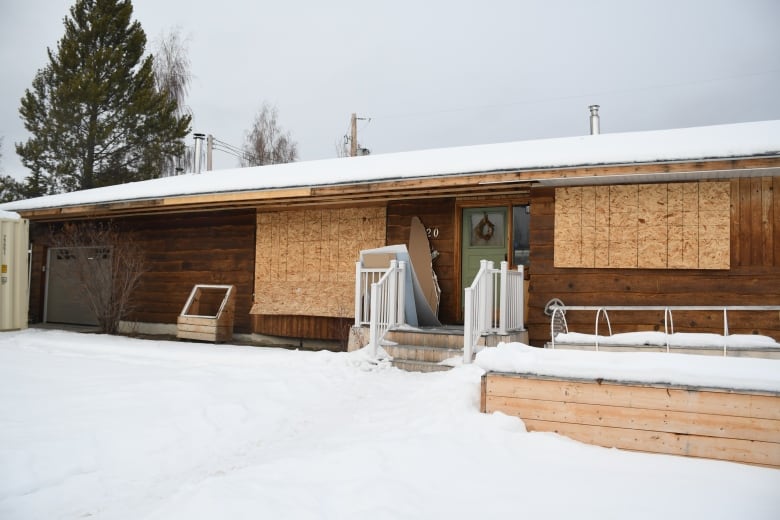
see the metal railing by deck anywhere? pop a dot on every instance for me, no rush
(493, 304)
(558, 316)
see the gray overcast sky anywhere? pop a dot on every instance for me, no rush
(437, 73)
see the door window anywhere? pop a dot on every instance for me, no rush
(521, 229)
(488, 229)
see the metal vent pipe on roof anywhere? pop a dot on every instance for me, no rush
(594, 120)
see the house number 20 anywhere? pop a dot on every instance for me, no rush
(432, 232)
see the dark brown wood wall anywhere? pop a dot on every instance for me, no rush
(304, 327)
(188, 249)
(753, 279)
(435, 214)
(181, 250)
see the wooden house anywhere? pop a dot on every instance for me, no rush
(676, 217)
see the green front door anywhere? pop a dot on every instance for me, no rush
(484, 238)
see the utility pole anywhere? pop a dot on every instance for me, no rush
(354, 150)
(353, 138)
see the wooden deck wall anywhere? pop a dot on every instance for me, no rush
(752, 279)
(738, 426)
(439, 215)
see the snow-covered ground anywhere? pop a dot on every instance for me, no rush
(103, 427)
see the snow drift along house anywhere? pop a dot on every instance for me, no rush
(678, 217)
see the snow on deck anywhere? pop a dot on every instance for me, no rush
(722, 141)
(677, 339)
(636, 367)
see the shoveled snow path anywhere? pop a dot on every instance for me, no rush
(103, 427)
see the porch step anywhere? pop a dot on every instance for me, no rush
(440, 337)
(422, 353)
(419, 366)
(421, 349)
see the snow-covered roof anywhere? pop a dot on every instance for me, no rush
(9, 215)
(685, 144)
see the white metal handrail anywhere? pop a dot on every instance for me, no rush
(364, 278)
(387, 303)
(559, 309)
(493, 304)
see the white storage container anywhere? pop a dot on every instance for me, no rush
(14, 233)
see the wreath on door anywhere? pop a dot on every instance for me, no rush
(484, 228)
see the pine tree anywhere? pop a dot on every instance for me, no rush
(94, 112)
(10, 188)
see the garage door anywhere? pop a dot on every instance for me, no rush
(65, 299)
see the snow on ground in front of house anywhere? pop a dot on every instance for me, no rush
(115, 428)
(642, 367)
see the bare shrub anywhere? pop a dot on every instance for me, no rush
(107, 265)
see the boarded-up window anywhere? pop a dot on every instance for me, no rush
(305, 259)
(650, 226)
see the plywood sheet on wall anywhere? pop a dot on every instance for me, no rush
(306, 259)
(649, 226)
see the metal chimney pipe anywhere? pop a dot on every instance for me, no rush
(594, 120)
(198, 147)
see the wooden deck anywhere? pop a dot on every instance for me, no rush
(714, 423)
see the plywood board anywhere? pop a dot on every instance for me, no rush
(420, 256)
(306, 259)
(649, 226)
(377, 260)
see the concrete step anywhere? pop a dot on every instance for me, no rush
(419, 366)
(422, 353)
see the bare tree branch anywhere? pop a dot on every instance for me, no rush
(173, 74)
(266, 142)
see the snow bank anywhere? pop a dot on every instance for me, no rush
(94, 426)
(722, 141)
(677, 339)
(640, 367)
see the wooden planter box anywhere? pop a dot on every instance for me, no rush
(208, 314)
(733, 425)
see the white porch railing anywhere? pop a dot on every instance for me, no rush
(379, 299)
(493, 304)
(558, 323)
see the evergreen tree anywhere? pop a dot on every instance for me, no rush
(95, 113)
(10, 189)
